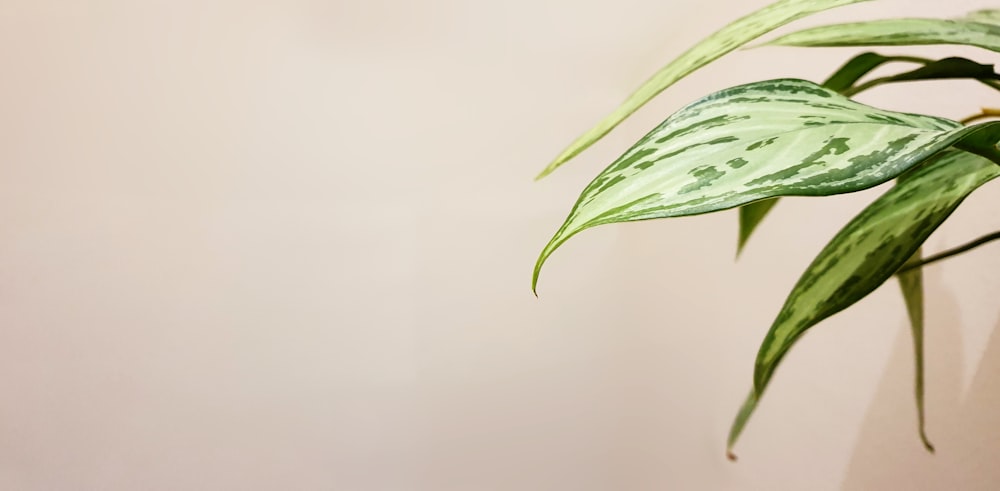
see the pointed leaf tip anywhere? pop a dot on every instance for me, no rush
(871, 248)
(980, 31)
(752, 142)
(727, 39)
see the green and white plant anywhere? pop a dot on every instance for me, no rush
(747, 146)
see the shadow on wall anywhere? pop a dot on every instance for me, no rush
(965, 429)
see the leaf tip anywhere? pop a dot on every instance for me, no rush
(927, 443)
(561, 159)
(731, 456)
(537, 271)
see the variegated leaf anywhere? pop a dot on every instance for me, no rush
(976, 31)
(727, 39)
(873, 246)
(752, 214)
(756, 141)
(864, 254)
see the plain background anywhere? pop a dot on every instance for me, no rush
(287, 245)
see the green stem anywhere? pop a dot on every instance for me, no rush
(865, 86)
(878, 81)
(950, 252)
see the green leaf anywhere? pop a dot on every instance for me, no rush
(750, 217)
(873, 246)
(911, 283)
(953, 67)
(757, 141)
(727, 39)
(752, 214)
(742, 417)
(852, 71)
(898, 32)
(988, 16)
(947, 68)
(865, 253)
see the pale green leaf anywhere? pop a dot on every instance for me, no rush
(742, 417)
(988, 16)
(898, 32)
(911, 283)
(727, 39)
(873, 246)
(757, 141)
(752, 214)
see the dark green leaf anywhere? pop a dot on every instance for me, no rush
(750, 217)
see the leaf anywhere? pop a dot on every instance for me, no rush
(865, 253)
(742, 417)
(946, 68)
(898, 32)
(953, 67)
(988, 16)
(871, 248)
(911, 283)
(751, 215)
(727, 39)
(852, 71)
(761, 140)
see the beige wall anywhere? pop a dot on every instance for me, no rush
(287, 245)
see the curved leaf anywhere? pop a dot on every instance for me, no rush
(911, 284)
(945, 68)
(728, 38)
(752, 214)
(871, 248)
(846, 76)
(898, 32)
(756, 141)
(988, 16)
(865, 253)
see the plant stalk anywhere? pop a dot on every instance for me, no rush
(950, 252)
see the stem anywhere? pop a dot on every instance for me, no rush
(865, 86)
(987, 112)
(950, 252)
(878, 81)
(910, 59)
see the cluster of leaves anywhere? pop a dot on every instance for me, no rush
(747, 146)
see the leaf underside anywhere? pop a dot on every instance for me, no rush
(866, 252)
(727, 39)
(762, 140)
